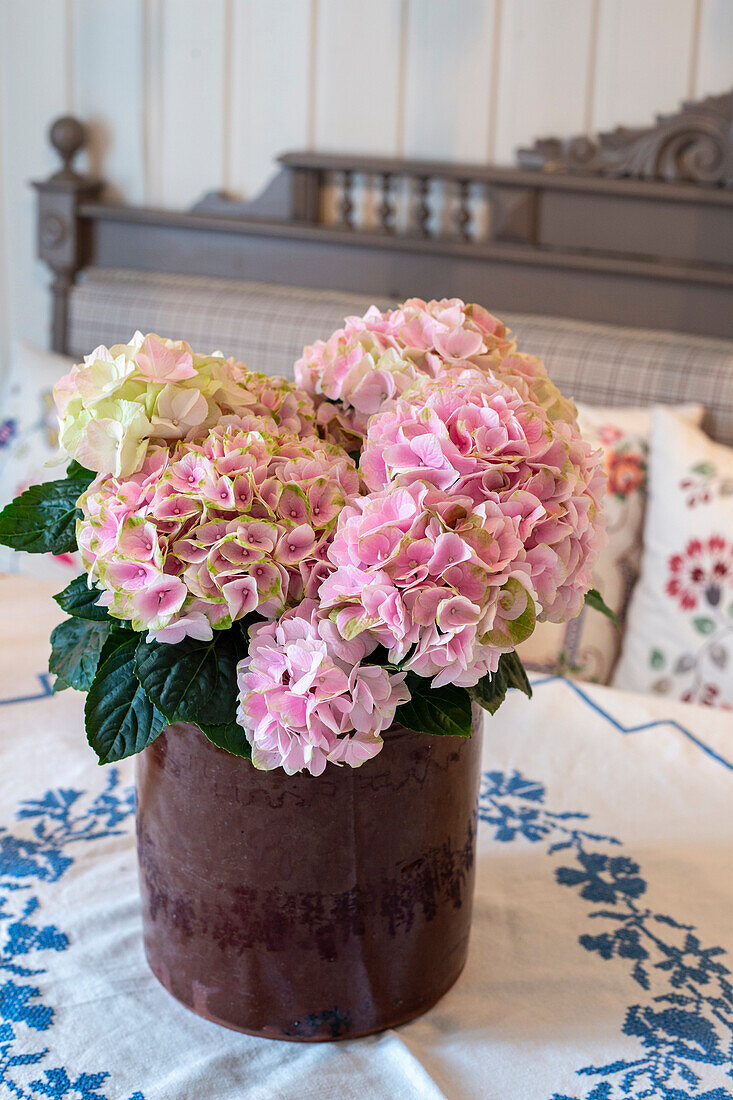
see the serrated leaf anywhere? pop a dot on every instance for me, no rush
(193, 680)
(230, 737)
(120, 719)
(444, 711)
(79, 600)
(76, 472)
(594, 599)
(514, 673)
(490, 691)
(75, 648)
(42, 520)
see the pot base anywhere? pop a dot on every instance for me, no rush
(335, 1032)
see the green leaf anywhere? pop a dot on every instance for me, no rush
(511, 667)
(595, 600)
(230, 737)
(705, 468)
(79, 600)
(445, 711)
(42, 520)
(193, 681)
(703, 624)
(120, 719)
(75, 648)
(490, 691)
(76, 472)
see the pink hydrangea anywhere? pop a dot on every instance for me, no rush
(307, 697)
(469, 435)
(278, 399)
(210, 531)
(375, 358)
(435, 578)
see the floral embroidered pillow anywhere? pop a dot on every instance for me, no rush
(28, 439)
(679, 638)
(587, 647)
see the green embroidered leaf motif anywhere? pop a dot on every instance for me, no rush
(656, 659)
(120, 719)
(79, 600)
(703, 625)
(193, 681)
(444, 711)
(42, 520)
(594, 599)
(75, 648)
(490, 691)
(230, 737)
(705, 468)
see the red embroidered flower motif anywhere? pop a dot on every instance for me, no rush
(625, 472)
(608, 434)
(701, 572)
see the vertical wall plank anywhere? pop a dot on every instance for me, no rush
(644, 60)
(358, 78)
(109, 33)
(448, 78)
(714, 68)
(270, 81)
(544, 60)
(34, 90)
(186, 80)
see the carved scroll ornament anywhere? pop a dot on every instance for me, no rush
(695, 145)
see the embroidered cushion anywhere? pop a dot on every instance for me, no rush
(28, 439)
(679, 639)
(587, 647)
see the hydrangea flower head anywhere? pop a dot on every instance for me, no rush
(209, 531)
(123, 400)
(469, 434)
(376, 357)
(308, 697)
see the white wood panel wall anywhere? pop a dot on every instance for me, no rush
(185, 96)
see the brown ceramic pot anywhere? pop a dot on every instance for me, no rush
(301, 907)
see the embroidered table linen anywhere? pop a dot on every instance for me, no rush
(599, 964)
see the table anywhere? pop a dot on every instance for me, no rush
(599, 964)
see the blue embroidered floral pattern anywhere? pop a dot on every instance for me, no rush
(58, 821)
(686, 1023)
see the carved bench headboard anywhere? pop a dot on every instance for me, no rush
(634, 227)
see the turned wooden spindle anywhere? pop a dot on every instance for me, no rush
(422, 211)
(346, 206)
(463, 213)
(386, 207)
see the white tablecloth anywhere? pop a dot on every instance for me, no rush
(598, 967)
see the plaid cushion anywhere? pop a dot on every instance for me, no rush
(264, 325)
(267, 326)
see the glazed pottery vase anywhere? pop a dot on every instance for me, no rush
(302, 907)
